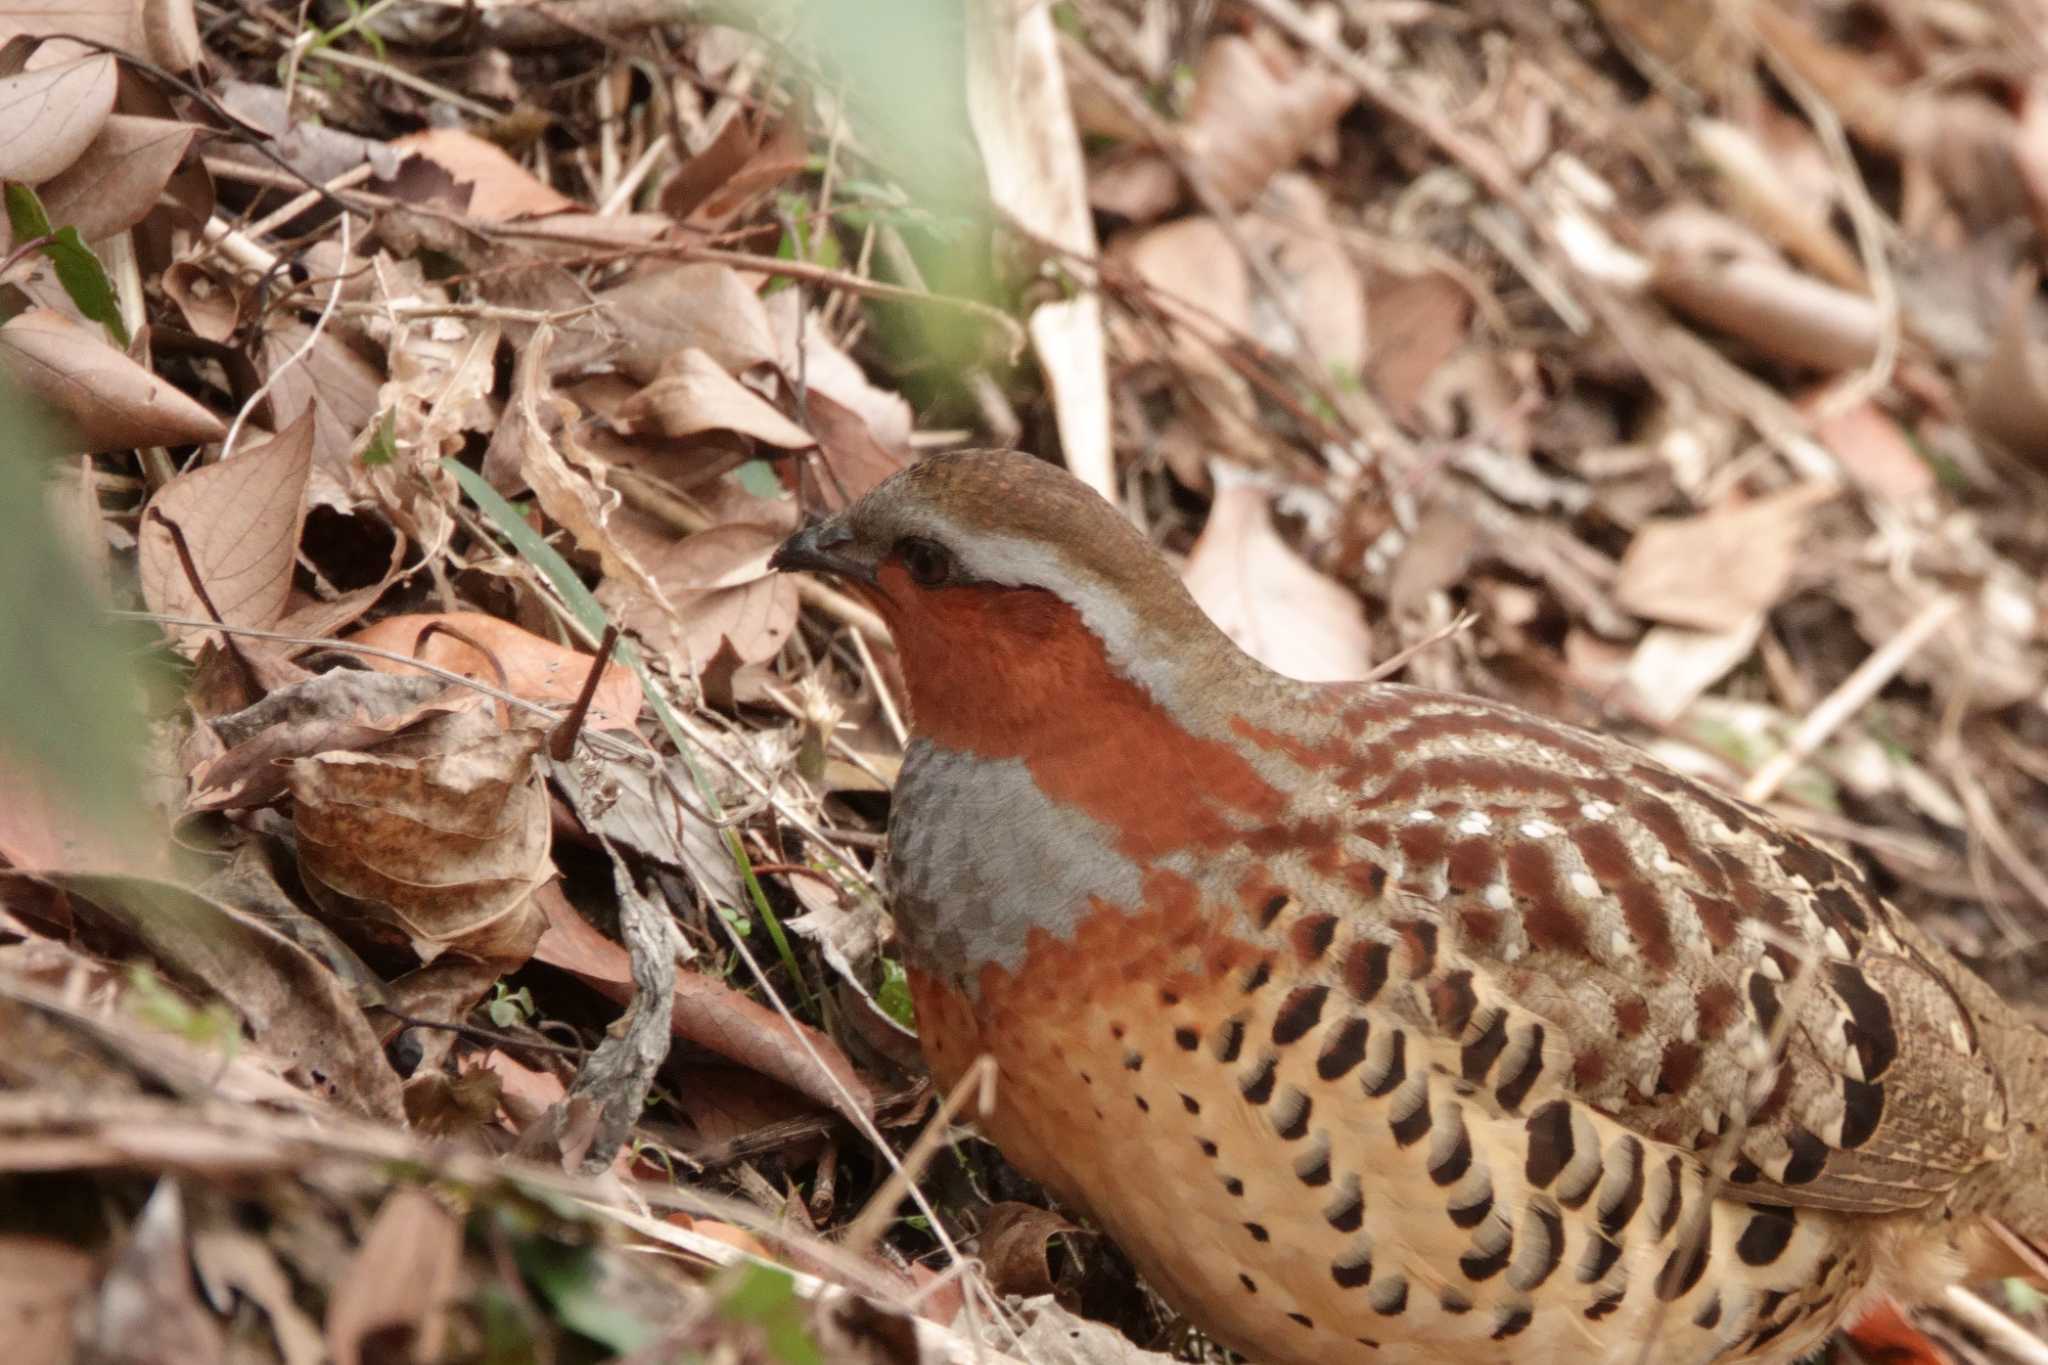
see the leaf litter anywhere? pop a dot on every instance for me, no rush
(390, 362)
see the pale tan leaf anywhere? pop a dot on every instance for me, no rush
(1023, 120)
(112, 403)
(161, 31)
(346, 389)
(240, 519)
(1013, 1245)
(692, 393)
(807, 349)
(147, 1308)
(211, 304)
(1716, 571)
(1266, 598)
(504, 189)
(49, 115)
(1873, 449)
(703, 306)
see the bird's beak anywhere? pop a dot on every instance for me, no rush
(823, 547)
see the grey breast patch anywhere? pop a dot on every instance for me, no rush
(979, 856)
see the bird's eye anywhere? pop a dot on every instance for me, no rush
(928, 562)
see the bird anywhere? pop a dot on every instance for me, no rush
(1384, 1024)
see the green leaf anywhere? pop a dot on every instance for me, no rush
(70, 718)
(894, 994)
(85, 280)
(766, 1297)
(78, 270)
(566, 1276)
(25, 215)
(383, 447)
(757, 477)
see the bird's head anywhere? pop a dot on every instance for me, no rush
(1014, 592)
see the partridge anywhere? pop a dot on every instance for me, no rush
(1383, 1024)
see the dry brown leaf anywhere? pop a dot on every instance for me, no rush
(49, 115)
(503, 189)
(440, 832)
(537, 438)
(1267, 598)
(298, 1011)
(703, 306)
(1253, 116)
(115, 183)
(211, 304)
(112, 403)
(691, 393)
(533, 668)
(1416, 324)
(2008, 399)
(341, 709)
(709, 1012)
(1201, 280)
(346, 389)
(400, 1285)
(240, 519)
(807, 350)
(1717, 571)
(1013, 1247)
(722, 590)
(41, 1282)
(443, 373)
(854, 460)
(1873, 449)
(231, 1261)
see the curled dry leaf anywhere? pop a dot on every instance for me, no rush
(240, 519)
(533, 668)
(112, 403)
(710, 1013)
(536, 437)
(342, 709)
(51, 114)
(1266, 598)
(721, 588)
(298, 1011)
(1716, 571)
(339, 388)
(1714, 271)
(1013, 1247)
(440, 832)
